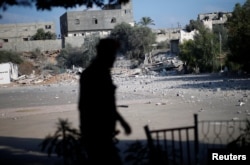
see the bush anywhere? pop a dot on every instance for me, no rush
(82, 57)
(163, 45)
(8, 56)
(26, 67)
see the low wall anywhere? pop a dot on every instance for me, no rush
(27, 46)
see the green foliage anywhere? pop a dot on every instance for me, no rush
(8, 56)
(49, 4)
(202, 52)
(42, 35)
(187, 54)
(146, 21)
(137, 153)
(243, 141)
(221, 31)
(234, 67)
(65, 143)
(163, 45)
(70, 56)
(238, 35)
(206, 49)
(136, 41)
(193, 25)
(121, 32)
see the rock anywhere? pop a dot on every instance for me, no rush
(235, 118)
(241, 103)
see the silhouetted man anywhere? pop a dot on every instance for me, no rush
(97, 106)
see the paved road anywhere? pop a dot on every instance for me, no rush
(43, 95)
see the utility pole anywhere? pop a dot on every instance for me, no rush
(220, 54)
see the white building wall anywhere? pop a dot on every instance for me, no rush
(185, 36)
(8, 71)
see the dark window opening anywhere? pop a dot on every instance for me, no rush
(127, 11)
(77, 21)
(47, 26)
(5, 40)
(25, 39)
(113, 20)
(94, 21)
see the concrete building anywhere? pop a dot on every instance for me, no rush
(23, 31)
(185, 35)
(210, 19)
(16, 37)
(167, 34)
(76, 25)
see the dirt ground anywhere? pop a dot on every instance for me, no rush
(156, 101)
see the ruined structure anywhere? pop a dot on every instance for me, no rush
(76, 25)
(16, 37)
(210, 19)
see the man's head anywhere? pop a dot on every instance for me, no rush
(106, 51)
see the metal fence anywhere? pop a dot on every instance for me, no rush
(192, 144)
(216, 135)
(173, 146)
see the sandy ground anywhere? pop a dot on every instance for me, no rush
(157, 101)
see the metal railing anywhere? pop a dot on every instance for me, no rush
(191, 144)
(173, 146)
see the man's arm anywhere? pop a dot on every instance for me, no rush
(124, 124)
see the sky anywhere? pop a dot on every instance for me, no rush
(164, 13)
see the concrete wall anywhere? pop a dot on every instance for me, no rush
(167, 34)
(77, 23)
(21, 46)
(23, 31)
(16, 37)
(185, 36)
(210, 19)
(74, 41)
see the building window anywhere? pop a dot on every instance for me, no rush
(5, 40)
(127, 11)
(77, 21)
(25, 39)
(1, 44)
(74, 34)
(113, 20)
(94, 21)
(47, 26)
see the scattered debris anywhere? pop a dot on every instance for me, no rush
(235, 118)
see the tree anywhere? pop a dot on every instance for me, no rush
(187, 54)
(9, 56)
(221, 32)
(135, 41)
(70, 56)
(65, 142)
(146, 21)
(193, 25)
(49, 4)
(201, 52)
(42, 35)
(238, 35)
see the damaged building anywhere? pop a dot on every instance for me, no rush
(76, 25)
(216, 18)
(17, 37)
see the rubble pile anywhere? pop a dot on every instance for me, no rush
(165, 64)
(46, 79)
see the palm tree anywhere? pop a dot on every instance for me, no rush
(65, 142)
(145, 21)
